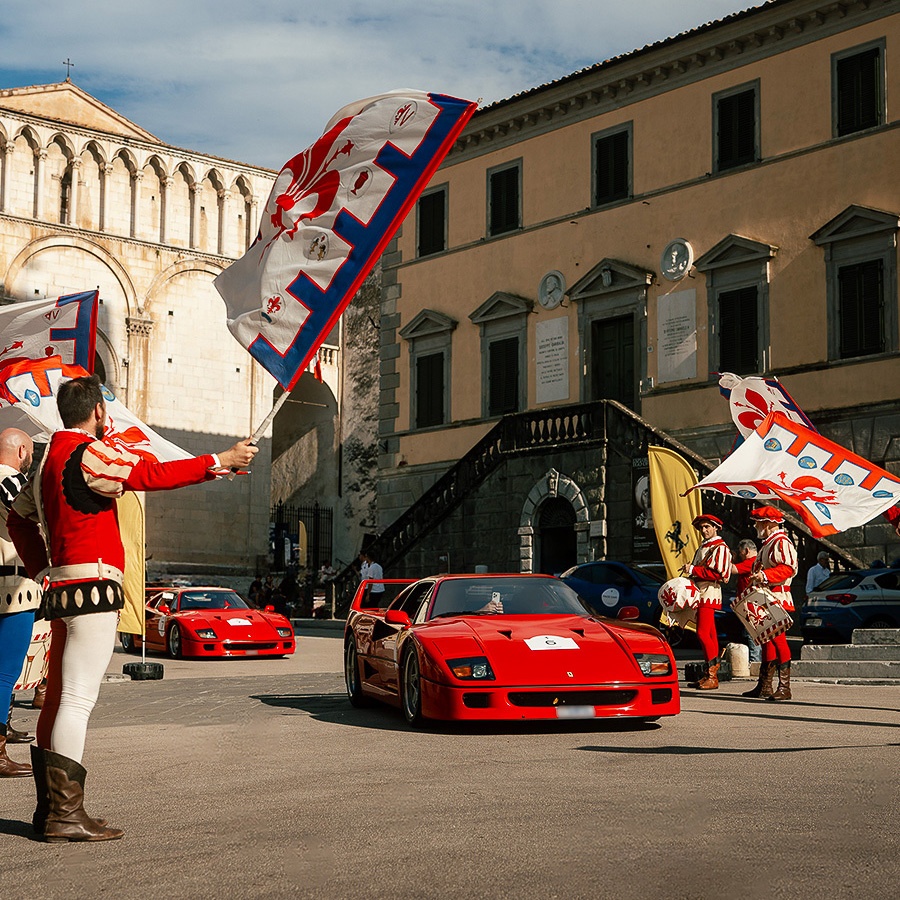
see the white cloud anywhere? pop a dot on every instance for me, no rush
(256, 82)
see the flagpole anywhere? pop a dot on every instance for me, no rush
(254, 438)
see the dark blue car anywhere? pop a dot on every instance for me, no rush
(861, 598)
(607, 587)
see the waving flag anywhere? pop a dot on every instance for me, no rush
(752, 399)
(65, 327)
(330, 214)
(830, 488)
(30, 387)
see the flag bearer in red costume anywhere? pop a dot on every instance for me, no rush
(710, 567)
(73, 497)
(774, 567)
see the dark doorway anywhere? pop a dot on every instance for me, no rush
(612, 362)
(556, 536)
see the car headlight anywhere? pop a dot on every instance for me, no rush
(471, 668)
(206, 633)
(654, 664)
(284, 632)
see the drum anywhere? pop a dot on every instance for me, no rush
(679, 599)
(34, 669)
(760, 614)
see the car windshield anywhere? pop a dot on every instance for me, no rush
(221, 599)
(505, 596)
(841, 582)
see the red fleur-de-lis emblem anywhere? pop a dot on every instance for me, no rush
(273, 305)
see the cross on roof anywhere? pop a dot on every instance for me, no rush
(69, 65)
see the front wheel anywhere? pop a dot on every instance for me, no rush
(351, 675)
(173, 642)
(411, 689)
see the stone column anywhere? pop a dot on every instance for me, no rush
(138, 329)
(8, 151)
(194, 240)
(135, 226)
(40, 165)
(165, 185)
(106, 171)
(72, 214)
(224, 212)
(252, 226)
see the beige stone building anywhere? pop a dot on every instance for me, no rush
(89, 199)
(723, 200)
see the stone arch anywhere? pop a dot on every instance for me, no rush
(552, 485)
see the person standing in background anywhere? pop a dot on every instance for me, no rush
(20, 597)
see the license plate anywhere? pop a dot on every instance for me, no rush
(814, 623)
(576, 712)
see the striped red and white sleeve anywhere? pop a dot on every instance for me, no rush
(716, 566)
(783, 555)
(110, 471)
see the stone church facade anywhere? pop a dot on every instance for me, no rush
(90, 200)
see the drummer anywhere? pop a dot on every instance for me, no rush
(709, 569)
(19, 595)
(774, 567)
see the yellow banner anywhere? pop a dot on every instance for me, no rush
(131, 525)
(670, 477)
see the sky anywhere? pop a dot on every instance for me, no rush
(256, 82)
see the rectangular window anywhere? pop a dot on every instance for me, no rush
(612, 163)
(861, 309)
(429, 390)
(858, 91)
(736, 129)
(503, 212)
(503, 374)
(739, 331)
(432, 222)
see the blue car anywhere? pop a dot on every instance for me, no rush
(608, 587)
(862, 598)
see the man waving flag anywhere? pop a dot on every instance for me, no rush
(330, 214)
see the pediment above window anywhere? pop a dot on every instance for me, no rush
(734, 250)
(854, 222)
(607, 277)
(501, 305)
(427, 323)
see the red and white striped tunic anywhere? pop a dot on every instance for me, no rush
(710, 567)
(777, 560)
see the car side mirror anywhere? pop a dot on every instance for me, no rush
(628, 612)
(397, 617)
(164, 609)
(269, 608)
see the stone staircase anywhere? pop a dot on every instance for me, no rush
(872, 657)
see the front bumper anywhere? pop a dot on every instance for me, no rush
(487, 702)
(194, 646)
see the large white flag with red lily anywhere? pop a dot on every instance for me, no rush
(330, 214)
(65, 327)
(830, 488)
(30, 386)
(752, 398)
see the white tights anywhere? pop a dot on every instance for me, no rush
(90, 639)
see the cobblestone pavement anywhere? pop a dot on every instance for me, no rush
(271, 785)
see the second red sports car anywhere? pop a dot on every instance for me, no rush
(502, 647)
(211, 621)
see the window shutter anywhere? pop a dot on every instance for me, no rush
(739, 331)
(737, 129)
(432, 214)
(861, 309)
(612, 168)
(503, 366)
(858, 91)
(505, 200)
(429, 390)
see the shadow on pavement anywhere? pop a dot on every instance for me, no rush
(703, 751)
(18, 829)
(336, 709)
